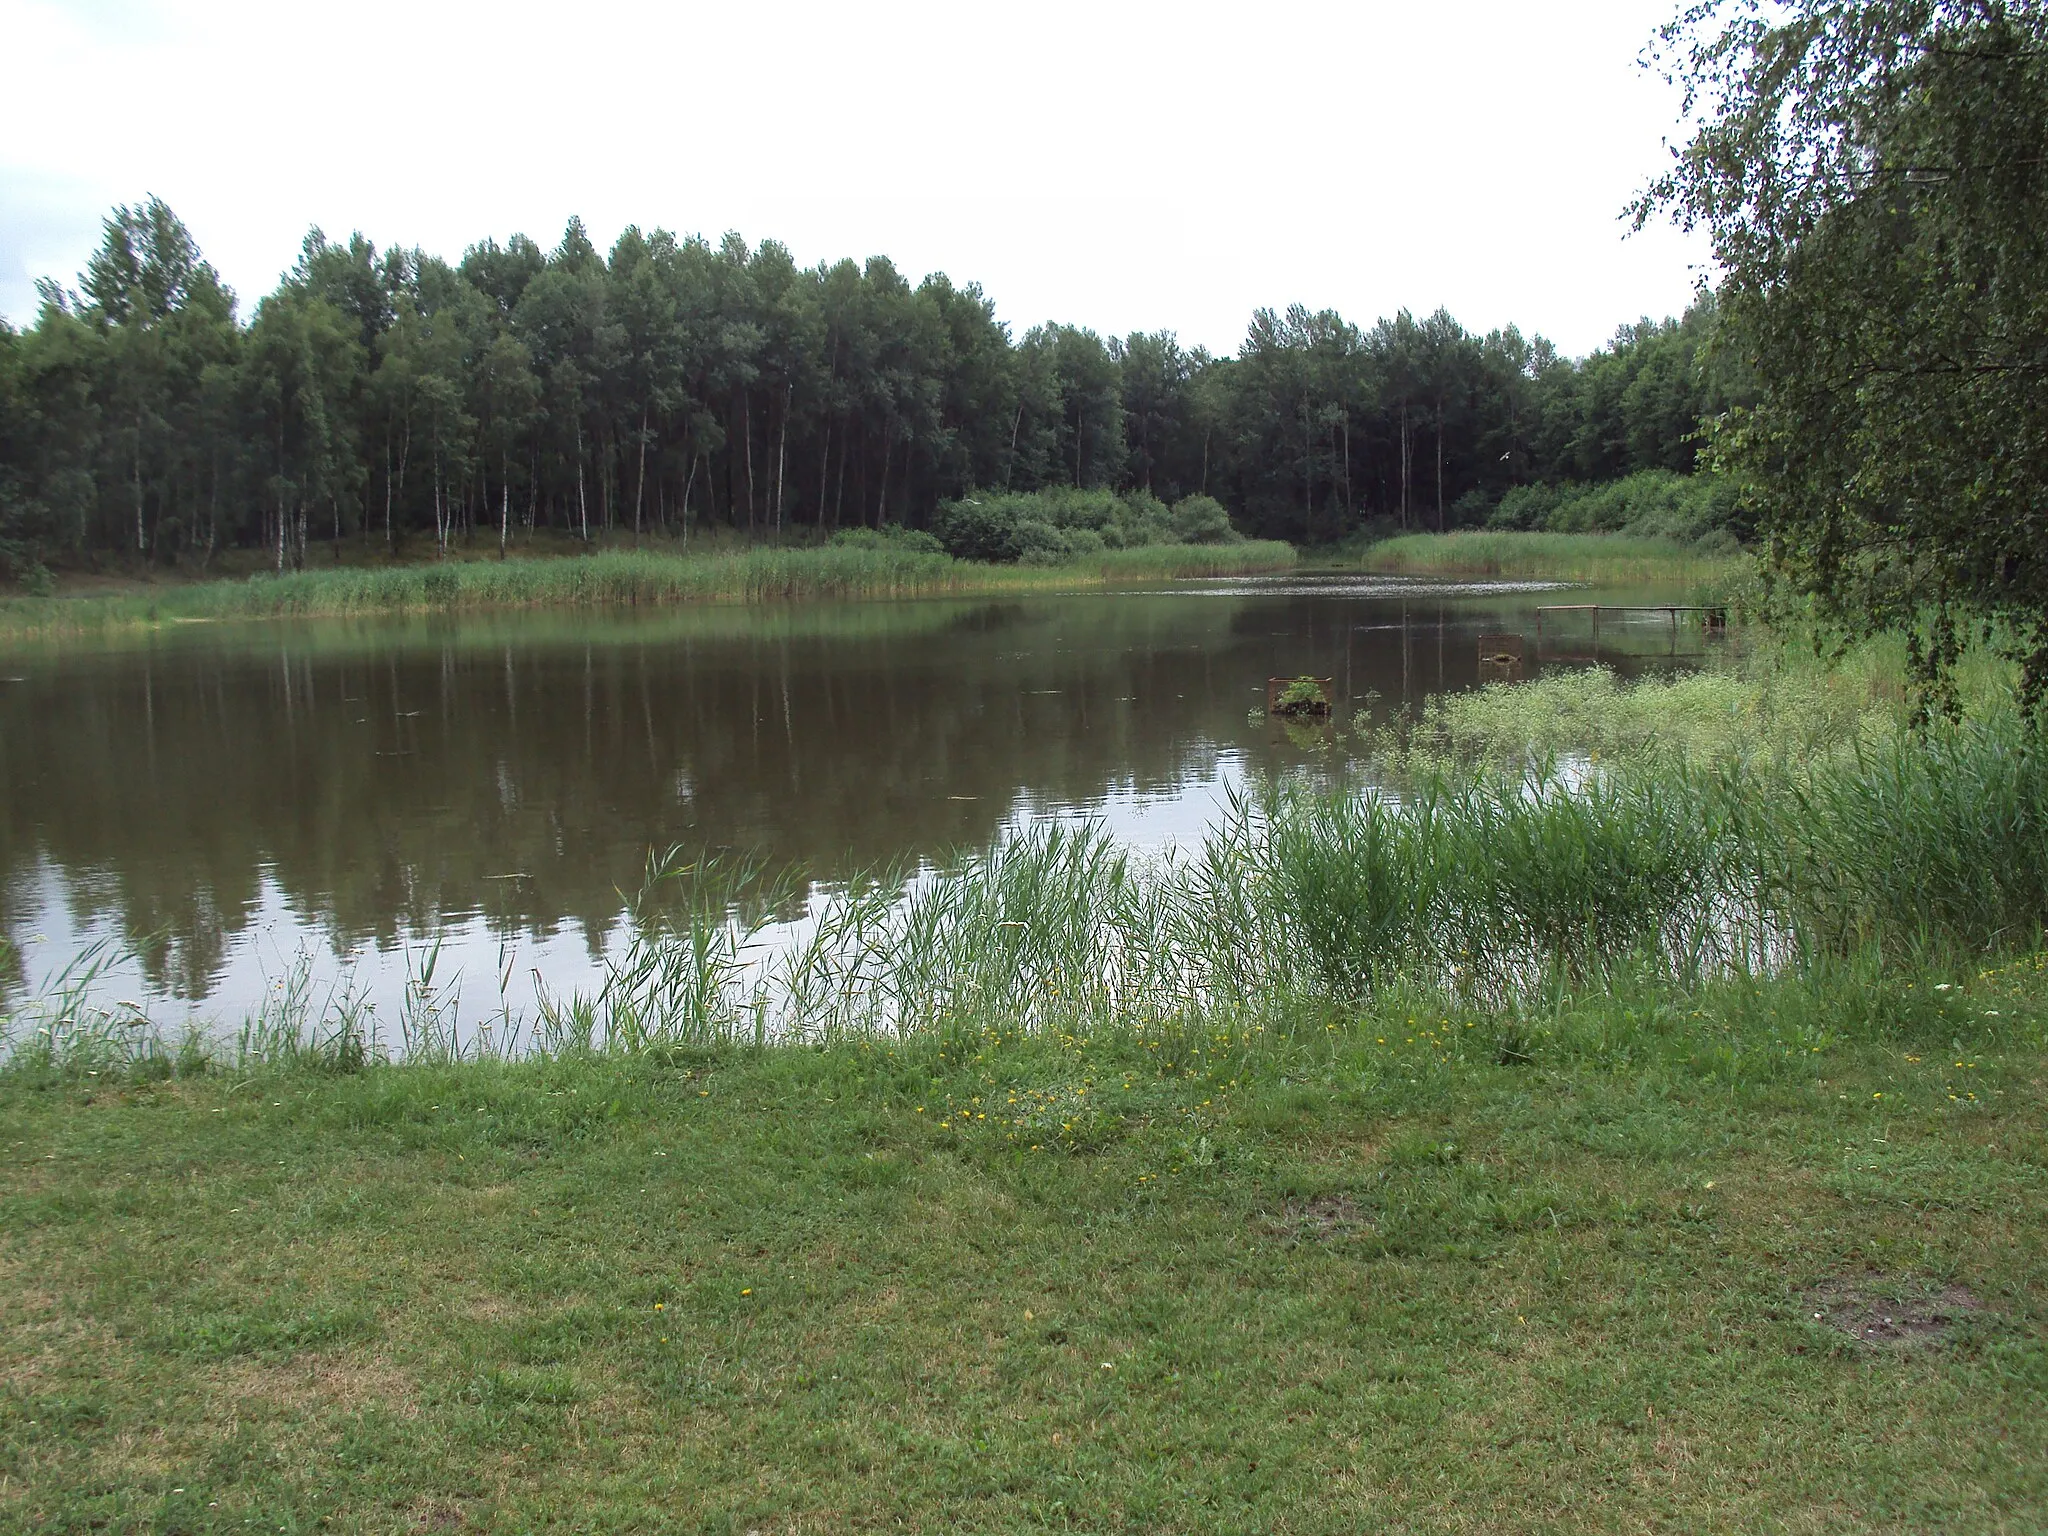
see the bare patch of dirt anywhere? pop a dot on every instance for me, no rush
(312, 1384)
(437, 1515)
(1890, 1314)
(51, 1345)
(492, 1308)
(1320, 1218)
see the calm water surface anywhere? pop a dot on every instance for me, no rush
(344, 791)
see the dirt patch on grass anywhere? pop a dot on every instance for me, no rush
(1320, 1218)
(436, 1515)
(50, 1345)
(309, 1385)
(489, 1307)
(1890, 1314)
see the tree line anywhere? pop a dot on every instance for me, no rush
(673, 385)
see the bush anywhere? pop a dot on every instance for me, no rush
(1652, 503)
(1474, 509)
(1141, 519)
(978, 528)
(1045, 527)
(1719, 543)
(1527, 507)
(1039, 543)
(1082, 542)
(1202, 520)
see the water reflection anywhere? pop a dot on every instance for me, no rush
(249, 792)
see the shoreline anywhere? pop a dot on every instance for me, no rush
(615, 578)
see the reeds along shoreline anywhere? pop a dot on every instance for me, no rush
(624, 578)
(1504, 897)
(1598, 558)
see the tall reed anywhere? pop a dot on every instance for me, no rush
(1304, 903)
(1600, 558)
(624, 578)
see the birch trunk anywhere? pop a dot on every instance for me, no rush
(687, 484)
(747, 436)
(582, 504)
(640, 489)
(782, 452)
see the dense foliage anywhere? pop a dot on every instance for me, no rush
(675, 384)
(1874, 178)
(1656, 503)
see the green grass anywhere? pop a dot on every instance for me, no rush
(1759, 700)
(1425, 1270)
(1600, 559)
(620, 578)
(1747, 709)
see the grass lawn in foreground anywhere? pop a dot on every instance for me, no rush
(1405, 1273)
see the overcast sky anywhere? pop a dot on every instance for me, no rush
(1126, 166)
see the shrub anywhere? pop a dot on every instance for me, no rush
(1527, 507)
(1039, 543)
(1045, 527)
(1652, 503)
(978, 528)
(1141, 518)
(1202, 520)
(1082, 542)
(1472, 510)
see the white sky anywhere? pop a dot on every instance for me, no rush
(1115, 163)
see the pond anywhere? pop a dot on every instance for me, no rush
(321, 803)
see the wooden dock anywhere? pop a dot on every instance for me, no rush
(1713, 616)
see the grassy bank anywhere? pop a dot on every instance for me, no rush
(1601, 559)
(1762, 702)
(1766, 1256)
(620, 578)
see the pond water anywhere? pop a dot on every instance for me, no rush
(334, 796)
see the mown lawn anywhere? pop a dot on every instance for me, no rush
(1428, 1275)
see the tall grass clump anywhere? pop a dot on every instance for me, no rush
(1933, 844)
(1602, 559)
(1501, 891)
(1750, 708)
(1557, 884)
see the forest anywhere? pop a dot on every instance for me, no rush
(673, 386)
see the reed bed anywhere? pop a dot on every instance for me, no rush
(1305, 907)
(1748, 708)
(1600, 559)
(624, 578)
(1496, 893)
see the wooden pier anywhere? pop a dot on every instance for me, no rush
(1713, 616)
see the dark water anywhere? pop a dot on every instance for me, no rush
(344, 790)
